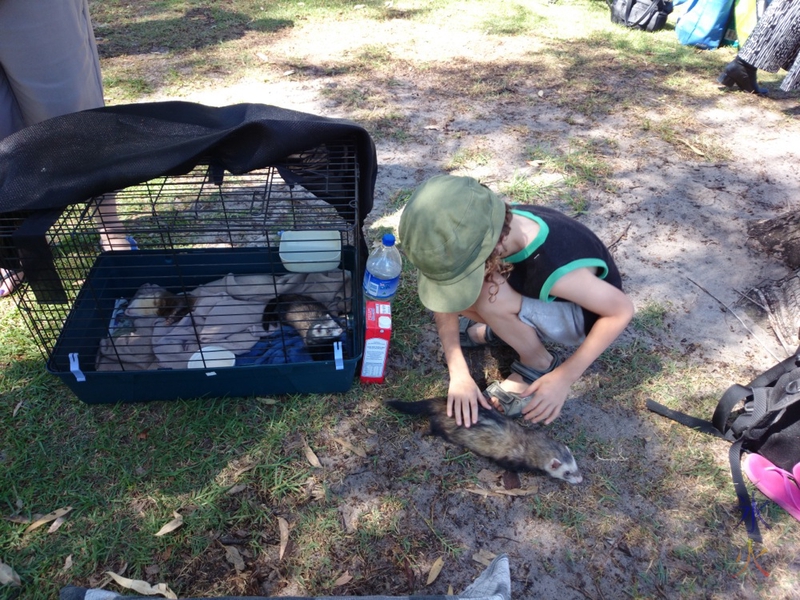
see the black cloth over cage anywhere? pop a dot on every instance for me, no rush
(68, 159)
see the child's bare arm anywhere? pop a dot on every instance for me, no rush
(463, 393)
(615, 311)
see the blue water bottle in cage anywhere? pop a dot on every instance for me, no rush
(382, 275)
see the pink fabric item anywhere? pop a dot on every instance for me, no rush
(775, 483)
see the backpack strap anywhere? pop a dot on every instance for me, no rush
(759, 390)
(772, 375)
(749, 516)
(684, 419)
(730, 399)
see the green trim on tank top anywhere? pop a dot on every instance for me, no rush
(589, 263)
(534, 245)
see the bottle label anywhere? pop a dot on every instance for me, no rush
(380, 289)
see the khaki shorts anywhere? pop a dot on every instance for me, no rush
(48, 62)
(559, 322)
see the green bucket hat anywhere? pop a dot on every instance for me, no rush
(448, 229)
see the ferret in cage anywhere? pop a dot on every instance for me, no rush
(307, 316)
(153, 300)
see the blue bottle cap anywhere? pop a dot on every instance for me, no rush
(388, 239)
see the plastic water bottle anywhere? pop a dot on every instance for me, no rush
(382, 275)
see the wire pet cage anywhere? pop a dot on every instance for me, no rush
(206, 282)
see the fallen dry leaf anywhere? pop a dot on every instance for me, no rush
(311, 457)
(56, 525)
(18, 519)
(48, 517)
(8, 576)
(248, 465)
(435, 570)
(450, 590)
(484, 557)
(487, 476)
(315, 489)
(67, 563)
(348, 446)
(692, 148)
(234, 557)
(283, 525)
(343, 579)
(519, 492)
(500, 492)
(511, 480)
(171, 526)
(236, 489)
(17, 407)
(142, 587)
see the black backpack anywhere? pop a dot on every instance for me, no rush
(650, 15)
(768, 423)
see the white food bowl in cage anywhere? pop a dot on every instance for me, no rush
(310, 251)
(212, 357)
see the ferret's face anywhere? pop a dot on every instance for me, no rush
(568, 471)
(324, 331)
(143, 306)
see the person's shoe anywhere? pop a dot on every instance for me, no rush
(9, 281)
(490, 339)
(510, 404)
(529, 374)
(775, 483)
(739, 73)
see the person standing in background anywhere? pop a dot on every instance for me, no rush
(49, 67)
(773, 44)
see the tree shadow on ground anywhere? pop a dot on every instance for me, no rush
(196, 29)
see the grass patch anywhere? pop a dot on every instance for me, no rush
(581, 164)
(650, 318)
(467, 158)
(510, 19)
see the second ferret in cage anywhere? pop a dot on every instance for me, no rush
(152, 300)
(307, 316)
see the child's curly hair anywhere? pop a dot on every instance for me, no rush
(495, 264)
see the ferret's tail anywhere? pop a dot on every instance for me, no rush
(425, 408)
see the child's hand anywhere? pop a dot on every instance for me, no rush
(462, 401)
(549, 394)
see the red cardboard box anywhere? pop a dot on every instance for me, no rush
(376, 343)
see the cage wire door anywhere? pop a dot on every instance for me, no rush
(207, 283)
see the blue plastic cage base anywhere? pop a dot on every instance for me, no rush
(114, 275)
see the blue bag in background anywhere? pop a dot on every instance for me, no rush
(704, 23)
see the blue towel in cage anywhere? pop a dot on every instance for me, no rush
(284, 346)
(278, 347)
